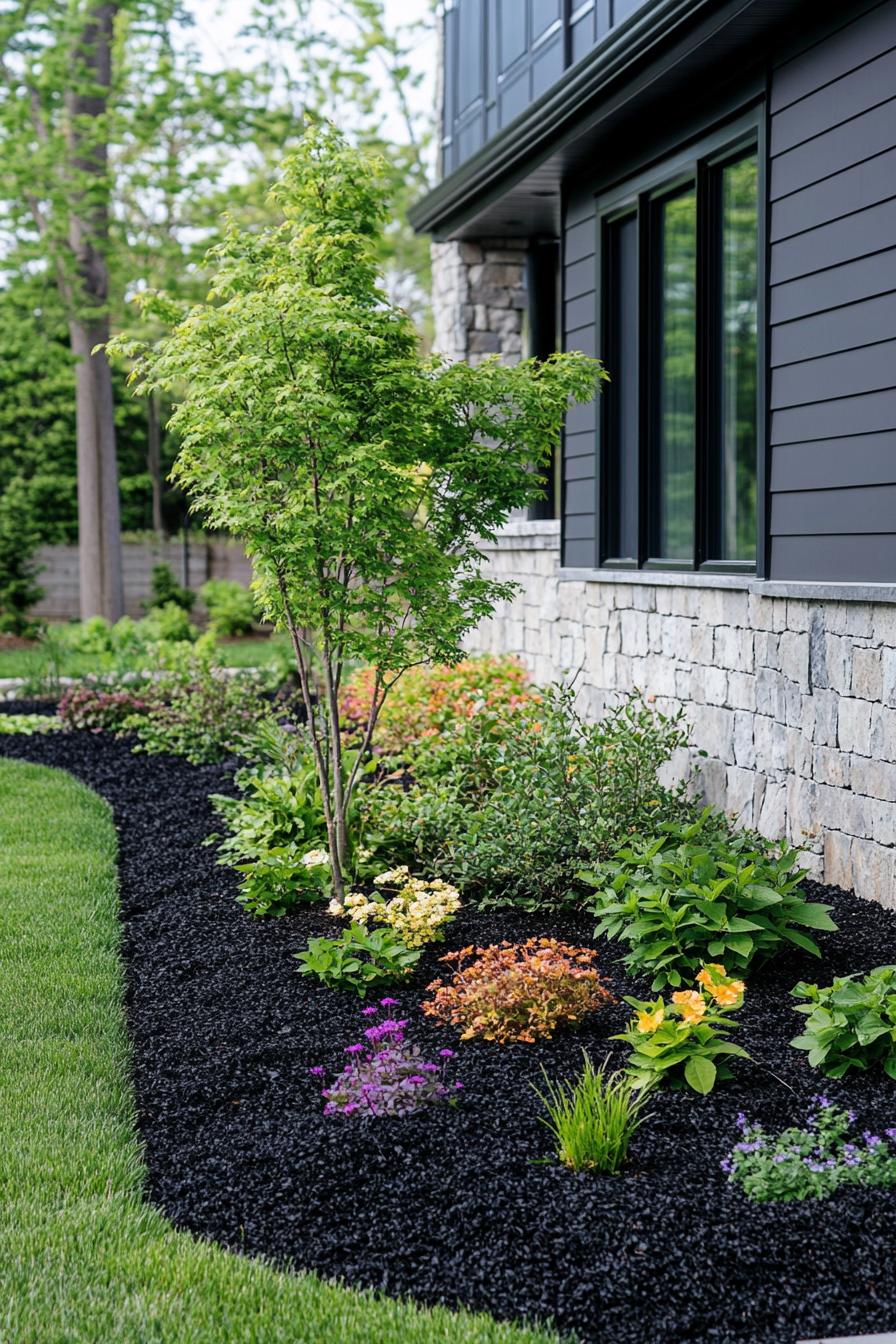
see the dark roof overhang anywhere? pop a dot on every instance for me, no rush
(667, 55)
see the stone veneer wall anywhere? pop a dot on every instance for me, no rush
(479, 297)
(792, 698)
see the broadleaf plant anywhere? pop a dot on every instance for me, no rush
(851, 1023)
(360, 475)
(702, 890)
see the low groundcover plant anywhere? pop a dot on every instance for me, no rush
(386, 1075)
(683, 1041)
(417, 911)
(517, 991)
(703, 890)
(593, 1118)
(358, 959)
(810, 1163)
(851, 1023)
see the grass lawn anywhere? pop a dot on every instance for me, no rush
(82, 1257)
(254, 651)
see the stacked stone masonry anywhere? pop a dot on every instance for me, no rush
(792, 700)
(479, 298)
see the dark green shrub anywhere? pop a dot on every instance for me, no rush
(19, 538)
(230, 606)
(516, 800)
(851, 1023)
(701, 891)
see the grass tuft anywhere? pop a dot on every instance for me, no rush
(593, 1118)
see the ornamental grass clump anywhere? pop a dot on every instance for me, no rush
(684, 1041)
(386, 1074)
(810, 1163)
(702, 890)
(517, 991)
(593, 1118)
(417, 909)
(851, 1024)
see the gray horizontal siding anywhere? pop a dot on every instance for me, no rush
(832, 305)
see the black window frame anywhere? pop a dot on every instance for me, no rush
(699, 163)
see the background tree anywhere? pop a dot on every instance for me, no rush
(360, 476)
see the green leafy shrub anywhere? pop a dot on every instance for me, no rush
(427, 702)
(19, 538)
(702, 890)
(95, 710)
(512, 804)
(851, 1024)
(684, 1041)
(517, 991)
(593, 1119)
(198, 714)
(358, 959)
(810, 1163)
(167, 623)
(28, 724)
(165, 589)
(230, 606)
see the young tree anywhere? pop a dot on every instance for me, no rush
(360, 476)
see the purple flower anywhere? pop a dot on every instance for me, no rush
(780, 1157)
(430, 1068)
(890, 1133)
(368, 1012)
(416, 1079)
(821, 1100)
(447, 1054)
(741, 1120)
(726, 1166)
(851, 1117)
(388, 1003)
(872, 1140)
(353, 1049)
(459, 1087)
(317, 1071)
(349, 1107)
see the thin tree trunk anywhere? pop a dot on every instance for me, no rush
(99, 519)
(154, 460)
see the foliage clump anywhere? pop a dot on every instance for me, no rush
(810, 1163)
(96, 710)
(514, 802)
(685, 1041)
(851, 1024)
(428, 702)
(359, 959)
(361, 476)
(517, 991)
(699, 890)
(385, 1073)
(198, 713)
(230, 607)
(594, 1118)
(19, 538)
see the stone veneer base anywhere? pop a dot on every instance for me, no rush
(789, 689)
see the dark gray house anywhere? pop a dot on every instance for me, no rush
(703, 193)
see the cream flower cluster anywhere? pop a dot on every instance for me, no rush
(416, 911)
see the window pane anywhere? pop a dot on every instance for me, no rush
(735, 502)
(675, 425)
(620, 399)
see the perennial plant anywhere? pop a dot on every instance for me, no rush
(851, 1024)
(417, 910)
(359, 959)
(594, 1118)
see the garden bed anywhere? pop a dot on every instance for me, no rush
(450, 1205)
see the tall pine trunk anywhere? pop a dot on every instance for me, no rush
(99, 517)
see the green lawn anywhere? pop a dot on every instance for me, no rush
(83, 1260)
(32, 662)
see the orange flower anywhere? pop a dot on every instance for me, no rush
(691, 1004)
(648, 1022)
(725, 995)
(704, 976)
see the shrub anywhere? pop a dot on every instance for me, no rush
(810, 1163)
(28, 724)
(230, 606)
(429, 701)
(511, 806)
(851, 1023)
(386, 1075)
(358, 959)
(517, 992)
(95, 710)
(684, 1041)
(700, 891)
(19, 538)
(417, 911)
(594, 1118)
(199, 714)
(164, 588)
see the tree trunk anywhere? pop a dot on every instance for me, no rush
(99, 519)
(154, 460)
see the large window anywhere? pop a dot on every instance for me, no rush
(679, 420)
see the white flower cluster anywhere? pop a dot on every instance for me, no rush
(316, 858)
(416, 912)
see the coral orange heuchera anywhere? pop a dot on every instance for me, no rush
(427, 700)
(518, 991)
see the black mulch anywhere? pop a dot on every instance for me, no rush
(447, 1206)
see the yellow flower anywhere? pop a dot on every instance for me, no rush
(705, 978)
(725, 995)
(648, 1022)
(691, 1004)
